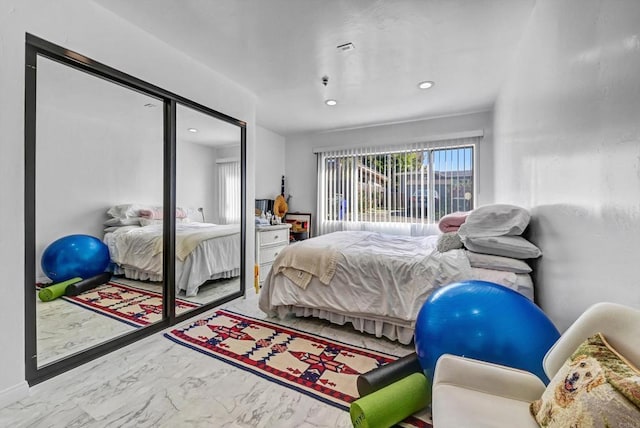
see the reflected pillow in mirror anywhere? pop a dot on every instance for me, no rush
(149, 222)
(122, 222)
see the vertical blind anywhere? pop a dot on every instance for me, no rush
(229, 192)
(395, 189)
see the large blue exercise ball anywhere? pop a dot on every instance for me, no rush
(484, 321)
(73, 256)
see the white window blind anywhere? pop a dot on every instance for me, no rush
(229, 192)
(395, 189)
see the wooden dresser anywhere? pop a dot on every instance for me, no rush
(270, 240)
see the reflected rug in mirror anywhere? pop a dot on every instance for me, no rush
(134, 306)
(313, 365)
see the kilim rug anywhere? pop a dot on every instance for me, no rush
(313, 365)
(134, 306)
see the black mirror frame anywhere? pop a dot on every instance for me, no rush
(35, 47)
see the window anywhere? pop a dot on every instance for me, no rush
(229, 192)
(403, 186)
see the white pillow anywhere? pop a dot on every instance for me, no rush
(508, 246)
(488, 261)
(495, 220)
(150, 221)
(119, 228)
(122, 222)
(520, 282)
(127, 210)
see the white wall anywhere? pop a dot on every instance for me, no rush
(95, 32)
(301, 161)
(97, 146)
(196, 178)
(567, 145)
(270, 155)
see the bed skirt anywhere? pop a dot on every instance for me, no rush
(146, 276)
(377, 328)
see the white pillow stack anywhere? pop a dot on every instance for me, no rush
(127, 215)
(492, 236)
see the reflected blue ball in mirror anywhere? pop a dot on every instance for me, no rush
(483, 321)
(73, 256)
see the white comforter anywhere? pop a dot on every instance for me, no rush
(377, 277)
(204, 251)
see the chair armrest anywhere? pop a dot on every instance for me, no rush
(487, 377)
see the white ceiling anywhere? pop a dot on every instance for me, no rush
(280, 49)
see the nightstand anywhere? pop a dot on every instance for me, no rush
(270, 240)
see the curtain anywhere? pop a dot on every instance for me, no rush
(399, 189)
(229, 192)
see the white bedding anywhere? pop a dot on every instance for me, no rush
(206, 251)
(380, 282)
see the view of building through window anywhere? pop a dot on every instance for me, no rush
(411, 186)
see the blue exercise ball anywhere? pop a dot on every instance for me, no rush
(73, 256)
(483, 321)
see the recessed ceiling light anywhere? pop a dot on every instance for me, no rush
(426, 84)
(192, 130)
(331, 102)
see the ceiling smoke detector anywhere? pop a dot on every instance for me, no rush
(346, 47)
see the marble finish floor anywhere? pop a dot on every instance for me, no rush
(64, 328)
(158, 383)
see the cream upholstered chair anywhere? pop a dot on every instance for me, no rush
(471, 393)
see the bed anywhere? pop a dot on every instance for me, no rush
(204, 252)
(377, 282)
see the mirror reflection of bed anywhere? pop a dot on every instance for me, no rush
(207, 254)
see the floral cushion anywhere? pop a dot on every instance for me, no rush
(596, 387)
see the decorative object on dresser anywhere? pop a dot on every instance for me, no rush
(270, 240)
(300, 226)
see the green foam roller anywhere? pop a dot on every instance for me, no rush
(54, 291)
(391, 404)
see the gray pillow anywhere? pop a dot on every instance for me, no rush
(495, 220)
(508, 246)
(488, 261)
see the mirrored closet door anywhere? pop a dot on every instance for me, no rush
(133, 209)
(208, 176)
(98, 146)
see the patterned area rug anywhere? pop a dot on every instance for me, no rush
(313, 365)
(133, 306)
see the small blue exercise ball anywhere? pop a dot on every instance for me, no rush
(73, 256)
(483, 321)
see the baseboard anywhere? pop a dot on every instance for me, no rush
(14, 393)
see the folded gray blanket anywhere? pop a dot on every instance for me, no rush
(448, 241)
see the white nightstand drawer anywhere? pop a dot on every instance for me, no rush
(274, 236)
(264, 270)
(269, 254)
